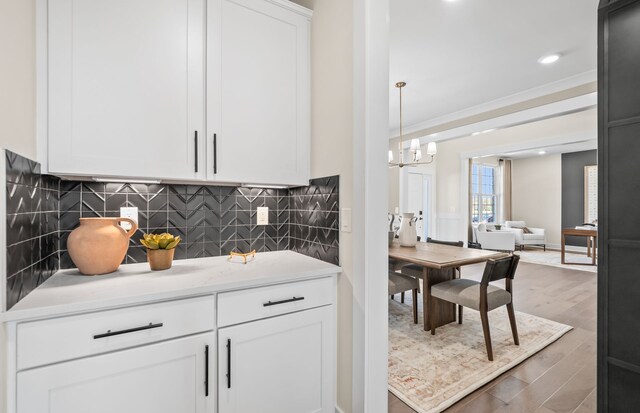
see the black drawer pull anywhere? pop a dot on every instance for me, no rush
(206, 371)
(228, 363)
(195, 138)
(215, 153)
(290, 300)
(129, 330)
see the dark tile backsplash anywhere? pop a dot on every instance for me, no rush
(42, 211)
(315, 219)
(211, 220)
(32, 226)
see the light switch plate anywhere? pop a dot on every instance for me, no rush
(263, 216)
(131, 213)
(345, 219)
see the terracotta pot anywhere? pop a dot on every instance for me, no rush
(160, 259)
(99, 245)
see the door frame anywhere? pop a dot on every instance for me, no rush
(429, 208)
(370, 199)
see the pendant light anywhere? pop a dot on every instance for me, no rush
(415, 149)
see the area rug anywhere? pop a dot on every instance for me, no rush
(430, 373)
(554, 259)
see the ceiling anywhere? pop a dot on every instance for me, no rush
(458, 55)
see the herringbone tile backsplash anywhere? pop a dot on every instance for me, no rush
(42, 211)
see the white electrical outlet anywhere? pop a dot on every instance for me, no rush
(131, 213)
(263, 216)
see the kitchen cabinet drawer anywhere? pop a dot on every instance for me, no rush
(54, 340)
(245, 305)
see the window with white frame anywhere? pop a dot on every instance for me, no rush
(484, 193)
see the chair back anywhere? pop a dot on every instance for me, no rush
(500, 269)
(452, 243)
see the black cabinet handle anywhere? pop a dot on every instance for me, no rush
(195, 138)
(290, 300)
(129, 330)
(206, 371)
(228, 363)
(215, 153)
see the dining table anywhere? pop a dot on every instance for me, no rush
(438, 263)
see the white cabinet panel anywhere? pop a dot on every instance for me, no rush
(258, 92)
(126, 87)
(283, 364)
(101, 332)
(168, 377)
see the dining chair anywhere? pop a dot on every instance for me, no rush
(399, 283)
(481, 296)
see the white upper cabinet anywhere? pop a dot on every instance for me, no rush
(258, 100)
(139, 89)
(126, 88)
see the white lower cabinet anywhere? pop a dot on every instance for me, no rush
(166, 377)
(283, 364)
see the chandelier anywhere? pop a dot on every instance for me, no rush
(414, 149)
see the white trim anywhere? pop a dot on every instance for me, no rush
(291, 6)
(549, 88)
(339, 410)
(42, 85)
(370, 189)
(529, 145)
(563, 107)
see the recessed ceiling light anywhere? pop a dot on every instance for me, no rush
(476, 133)
(542, 153)
(488, 130)
(548, 59)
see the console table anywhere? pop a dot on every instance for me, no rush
(592, 238)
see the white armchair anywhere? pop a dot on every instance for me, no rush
(494, 240)
(535, 237)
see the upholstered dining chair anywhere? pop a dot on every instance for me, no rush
(399, 283)
(481, 296)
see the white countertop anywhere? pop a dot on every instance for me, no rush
(69, 292)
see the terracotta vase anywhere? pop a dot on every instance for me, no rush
(160, 259)
(99, 245)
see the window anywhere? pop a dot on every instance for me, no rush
(484, 193)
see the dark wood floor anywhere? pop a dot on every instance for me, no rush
(562, 377)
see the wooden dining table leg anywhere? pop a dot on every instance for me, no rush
(562, 247)
(593, 250)
(445, 312)
(588, 246)
(426, 298)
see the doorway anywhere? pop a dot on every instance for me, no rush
(418, 202)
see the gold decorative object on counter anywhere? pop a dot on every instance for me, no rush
(160, 250)
(99, 245)
(244, 256)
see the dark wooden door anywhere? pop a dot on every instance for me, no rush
(619, 206)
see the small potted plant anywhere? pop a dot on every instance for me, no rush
(160, 249)
(498, 226)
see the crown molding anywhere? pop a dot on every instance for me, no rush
(537, 92)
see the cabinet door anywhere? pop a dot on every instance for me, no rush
(168, 377)
(258, 92)
(283, 364)
(126, 88)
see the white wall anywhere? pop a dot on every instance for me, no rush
(17, 77)
(537, 194)
(332, 149)
(449, 165)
